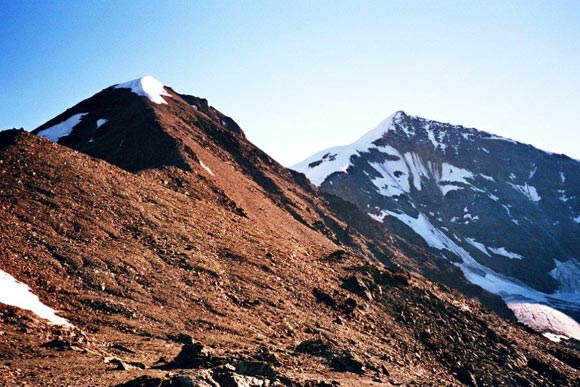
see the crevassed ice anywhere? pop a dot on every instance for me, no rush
(568, 275)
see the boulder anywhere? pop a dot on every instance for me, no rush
(255, 368)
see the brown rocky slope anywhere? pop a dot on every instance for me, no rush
(175, 142)
(241, 260)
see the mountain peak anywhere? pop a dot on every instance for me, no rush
(386, 125)
(147, 86)
(398, 114)
(473, 198)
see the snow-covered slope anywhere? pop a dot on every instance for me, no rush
(504, 212)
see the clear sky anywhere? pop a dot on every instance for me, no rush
(300, 76)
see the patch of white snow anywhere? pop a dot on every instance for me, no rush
(563, 197)
(147, 87)
(510, 214)
(453, 178)
(503, 252)
(480, 246)
(416, 168)
(18, 294)
(101, 122)
(533, 171)
(554, 337)
(56, 132)
(529, 191)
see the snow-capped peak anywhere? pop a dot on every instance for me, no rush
(146, 86)
(320, 165)
(385, 126)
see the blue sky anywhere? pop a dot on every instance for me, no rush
(300, 76)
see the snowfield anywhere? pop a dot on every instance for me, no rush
(544, 318)
(15, 293)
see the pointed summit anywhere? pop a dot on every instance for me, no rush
(380, 130)
(473, 198)
(147, 86)
(338, 159)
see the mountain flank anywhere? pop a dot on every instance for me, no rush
(503, 212)
(207, 262)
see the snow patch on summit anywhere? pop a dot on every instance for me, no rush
(323, 164)
(146, 87)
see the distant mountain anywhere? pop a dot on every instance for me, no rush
(504, 212)
(150, 243)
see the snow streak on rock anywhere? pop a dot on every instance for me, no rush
(206, 168)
